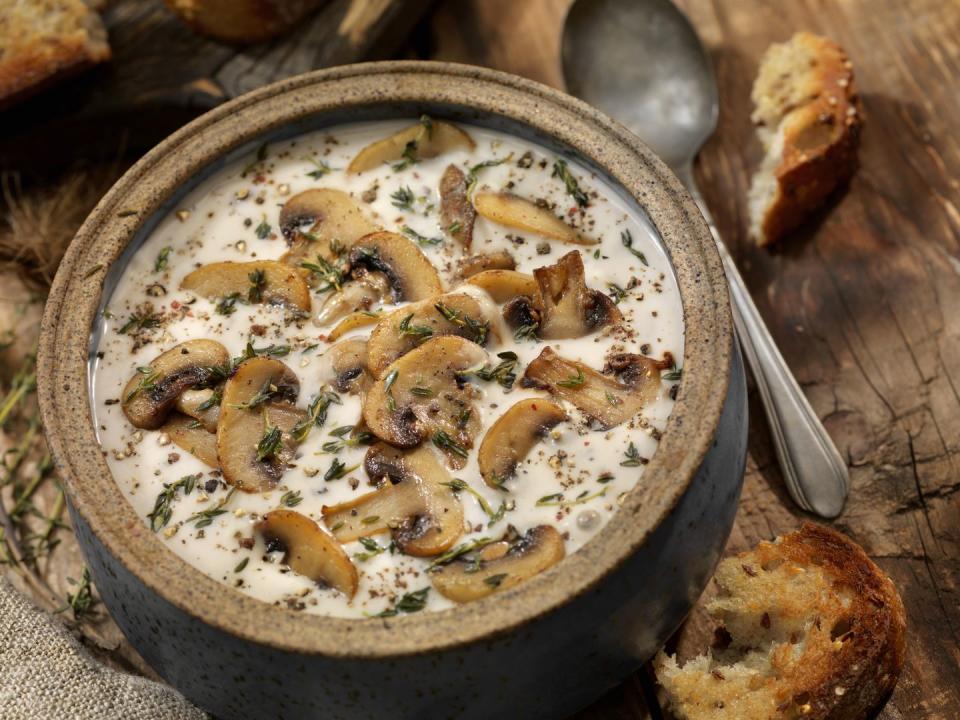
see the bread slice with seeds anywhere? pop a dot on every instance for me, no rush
(808, 118)
(42, 41)
(809, 628)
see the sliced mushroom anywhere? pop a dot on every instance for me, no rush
(474, 264)
(201, 405)
(522, 214)
(512, 437)
(456, 212)
(500, 566)
(422, 396)
(151, 394)
(504, 285)
(266, 281)
(423, 515)
(411, 275)
(426, 139)
(258, 396)
(308, 550)
(570, 308)
(364, 291)
(332, 216)
(402, 330)
(345, 367)
(190, 435)
(353, 321)
(632, 382)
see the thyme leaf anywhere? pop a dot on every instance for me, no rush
(561, 171)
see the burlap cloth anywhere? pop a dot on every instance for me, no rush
(46, 675)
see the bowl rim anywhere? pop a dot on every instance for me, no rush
(76, 293)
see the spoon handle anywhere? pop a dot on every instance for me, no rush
(813, 470)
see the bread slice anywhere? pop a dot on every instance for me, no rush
(42, 41)
(808, 118)
(242, 21)
(809, 628)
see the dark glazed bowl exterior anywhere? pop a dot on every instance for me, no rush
(542, 649)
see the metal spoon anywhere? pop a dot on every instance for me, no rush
(642, 62)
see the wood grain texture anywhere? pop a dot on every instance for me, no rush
(864, 301)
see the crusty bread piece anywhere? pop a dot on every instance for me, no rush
(809, 120)
(242, 21)
(42, 41)
(810, 628)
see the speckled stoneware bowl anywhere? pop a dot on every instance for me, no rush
(541, 650)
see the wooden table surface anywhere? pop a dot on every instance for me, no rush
(865, 302)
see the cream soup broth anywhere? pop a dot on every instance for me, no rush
(571, 479)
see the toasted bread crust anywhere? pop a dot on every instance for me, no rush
(816, 630)
(242, 21)
(45, 41)
(820, 119)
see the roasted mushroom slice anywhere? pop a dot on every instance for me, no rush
(202, 405)
(308, 550)
(189, 434)
(513, 435)
(504, 285)
(250, 443)
(522, 214)
(261, 281)
(332, 215)
(344, 366)
(402, 330)
(422, 396)
(474, 264)
(421, 513)
(353, 321)
(611, 399)
(500, 566)
(150, 395)
(364, 291)
(570, 308)
(456, 212)
(426, 139)
(411, 275)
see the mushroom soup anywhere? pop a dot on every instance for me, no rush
(388, 367)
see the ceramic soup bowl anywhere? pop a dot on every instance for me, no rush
(542, 649)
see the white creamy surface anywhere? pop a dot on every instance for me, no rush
(220, 224)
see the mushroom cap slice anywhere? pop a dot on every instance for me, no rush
(504, 285)
(344, 366)
(190, 435)
(502, 565)
(522, 214)
(412, 276)
(152, 392)
(473, 264)
(364, 291)
(513, 435)
(309, 551)
(281, 284)
(333, 216)
(353, 321)
(421, 396)
(456, 212)
(431, 139)
(570, 308)
(402, 330)
(423, 516)
(199, 405)
(611, 399)
(241, 427)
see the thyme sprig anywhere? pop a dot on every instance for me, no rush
(504, 373)
(411, 602)
(163, 257)
(204, 518)
(457, 485)
(443, 441)
(331, 274)
(473, 177)
(403, 199)
(316, 415)
(560, 170)
(626, 237)
(634, 459)
(415, 331)
(557, 499)
(574, 381)
(163, 506)
(269, 444)
(147, 381)
(478, 329)
(421, 240)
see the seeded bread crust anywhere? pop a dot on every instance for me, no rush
(810, 628)
(242, 21)
(809, 120)
(43, 41)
